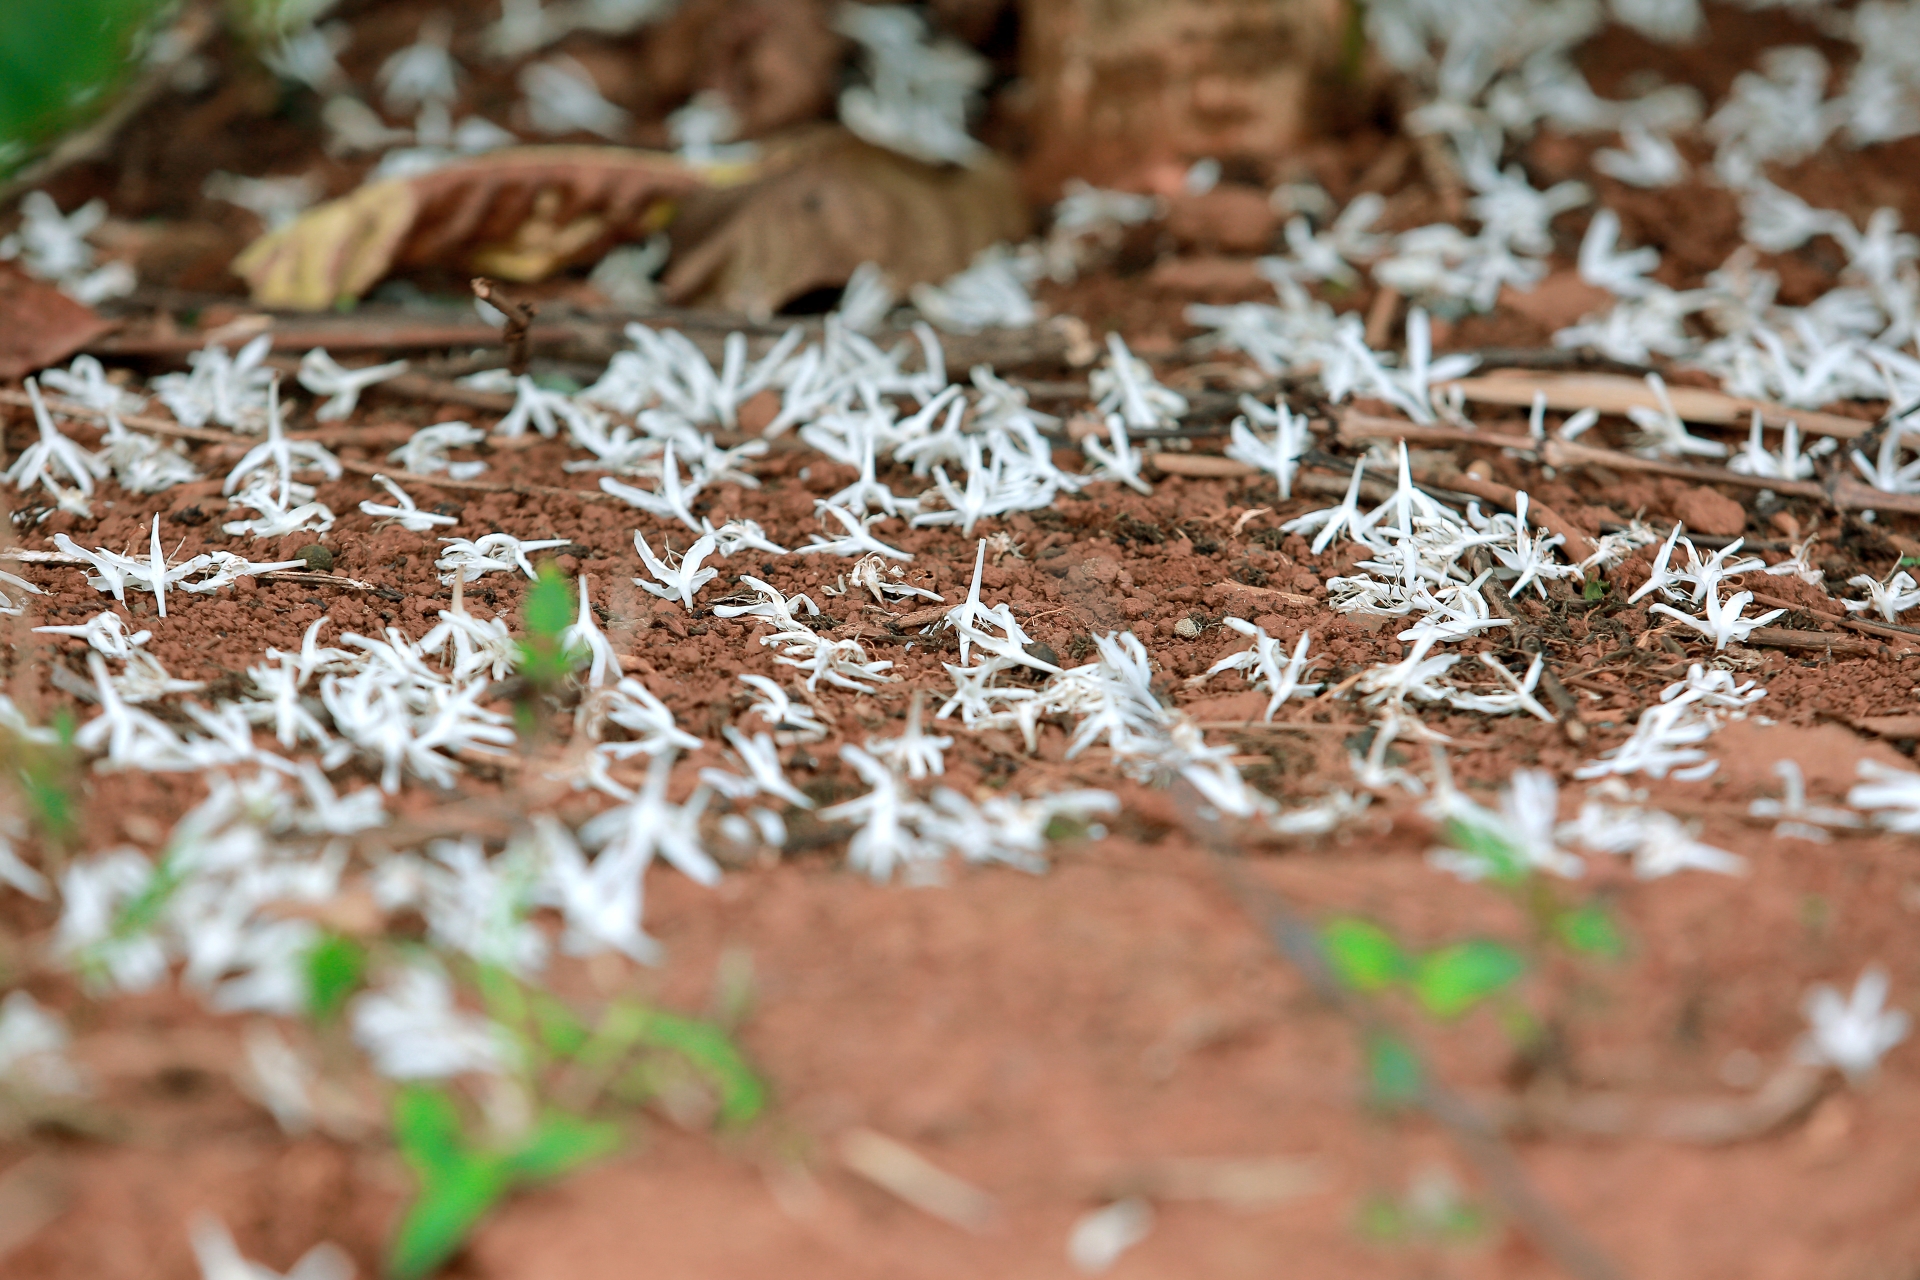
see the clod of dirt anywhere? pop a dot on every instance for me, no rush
(1705, 510)
(519, 214)
(830, 202)
(319, 559)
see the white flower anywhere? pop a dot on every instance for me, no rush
(563, 97)
(868, 298)
(1789, 464)
(1265, 666)
(885, 840)
(220, 1259)
(37, 460)
(781, 712)
(1665, 739)
(1645, 159)
(425, 452)
(1125, 385)
(1280, 456)
(1659, 843)
(1664, 432)
(1889, 599)
(228, 390)
(423, 71)
(1329, 522)
(913, 753)
(602, 900)
(1892, 796)
(990, 294)
(1723, 622)
(760, 756)
(468, 559)
(33, 1047)
(919, 91)
(741, 535)
(1854, 1033)
(856, 541)
(282, 455)
(1121, 462)
(321, 374)
(1524, 827)
(1796, 816)
(649, 824)
(684, 580)
(53, 246)
(412, 1030)
(407, 515)
(1601, 265)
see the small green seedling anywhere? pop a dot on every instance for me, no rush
(545, 658)
(462, 1179)
(336, 969)
(1446, 983)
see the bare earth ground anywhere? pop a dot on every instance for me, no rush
(1057, 1039)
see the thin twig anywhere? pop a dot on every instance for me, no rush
(519, 314)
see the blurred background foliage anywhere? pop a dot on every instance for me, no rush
(63, 63)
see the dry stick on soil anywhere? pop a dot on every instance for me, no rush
(1861, 625)
(897, 1168)
(475, 486)
(519, 316)
(1835, 646)
(1841, 491)
(1298, 942)
(1614, 394)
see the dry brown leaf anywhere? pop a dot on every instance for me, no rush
(519, 214)
(827, 203)
(39, 325)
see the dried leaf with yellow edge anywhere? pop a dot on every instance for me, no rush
(520, 214)
(825, 203)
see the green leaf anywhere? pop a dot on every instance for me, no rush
(1454, 979)
(548, 611)
(559, 1144)
(1505, 864)
(61, 62)
(460, 1183)
(336, 968)
(1393, 1070)
(451, 1204)
(1590, 930)
(1594, 590)
(560, 1029)
(549, 604)
(742, 1094)
(426, 1128)
(1362, 954)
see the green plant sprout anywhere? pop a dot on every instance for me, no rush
(546, 660)
(1452, 980)
(462, 1178)
(47, 775)
(571, 1069)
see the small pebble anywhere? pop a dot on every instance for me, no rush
(1186, 628)
(318, 558)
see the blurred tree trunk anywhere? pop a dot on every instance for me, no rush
(1115, 86)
